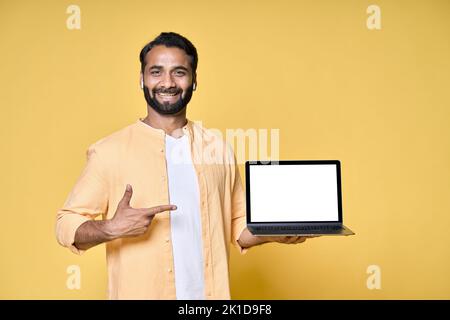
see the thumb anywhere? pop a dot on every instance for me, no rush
(126, 196)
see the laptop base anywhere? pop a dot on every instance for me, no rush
(279, 231)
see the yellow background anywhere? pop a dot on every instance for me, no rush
(378, 100)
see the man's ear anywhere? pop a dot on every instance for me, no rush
(142, 82)
(194, 83)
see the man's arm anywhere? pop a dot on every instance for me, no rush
(92, 233)
(127, 222)
(248, 240)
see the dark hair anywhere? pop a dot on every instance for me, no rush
(171, 39)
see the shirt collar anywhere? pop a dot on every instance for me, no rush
(187, 128)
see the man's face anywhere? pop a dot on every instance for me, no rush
(168, 79)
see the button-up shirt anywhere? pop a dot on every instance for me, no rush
(142, 267)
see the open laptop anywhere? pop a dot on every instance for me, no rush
(294, 197)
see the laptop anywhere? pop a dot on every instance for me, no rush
(294, 198)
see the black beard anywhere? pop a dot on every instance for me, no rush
(168, 108)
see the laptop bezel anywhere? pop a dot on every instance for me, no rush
(293, 162)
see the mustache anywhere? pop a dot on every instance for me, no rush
(169, 91)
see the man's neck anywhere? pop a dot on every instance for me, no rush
(171, 124)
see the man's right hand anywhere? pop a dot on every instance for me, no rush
(132, 222)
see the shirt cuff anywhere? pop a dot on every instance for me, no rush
(66, 229)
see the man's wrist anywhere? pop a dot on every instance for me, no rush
(110, 230)
(248, 240)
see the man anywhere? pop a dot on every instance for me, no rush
(168, 215)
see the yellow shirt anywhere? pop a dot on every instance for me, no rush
(142, 267)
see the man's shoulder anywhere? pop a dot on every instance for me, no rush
(114, 140)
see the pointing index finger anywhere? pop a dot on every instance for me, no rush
(158, 209)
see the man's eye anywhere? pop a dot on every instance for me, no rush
(154, 73)
(180, 73)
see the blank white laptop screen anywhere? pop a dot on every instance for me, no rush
(288, 193)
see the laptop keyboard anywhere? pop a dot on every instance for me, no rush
(300, 228)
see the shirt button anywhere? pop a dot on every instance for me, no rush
(167, 240)
(169, 270)
(162, 150)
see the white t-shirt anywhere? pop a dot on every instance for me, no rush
(185, 222)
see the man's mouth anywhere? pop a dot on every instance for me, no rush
(167, 96)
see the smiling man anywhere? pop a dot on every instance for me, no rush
(167, 220)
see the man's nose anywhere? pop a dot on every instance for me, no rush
(167, 81)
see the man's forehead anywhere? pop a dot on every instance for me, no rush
(167, 56)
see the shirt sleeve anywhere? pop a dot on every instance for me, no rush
(87, 200)
(239, 222)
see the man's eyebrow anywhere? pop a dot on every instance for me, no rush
(182, 68)
(161, 67)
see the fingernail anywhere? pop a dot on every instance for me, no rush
(174, 207)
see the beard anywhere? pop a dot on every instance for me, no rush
(166, 107)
